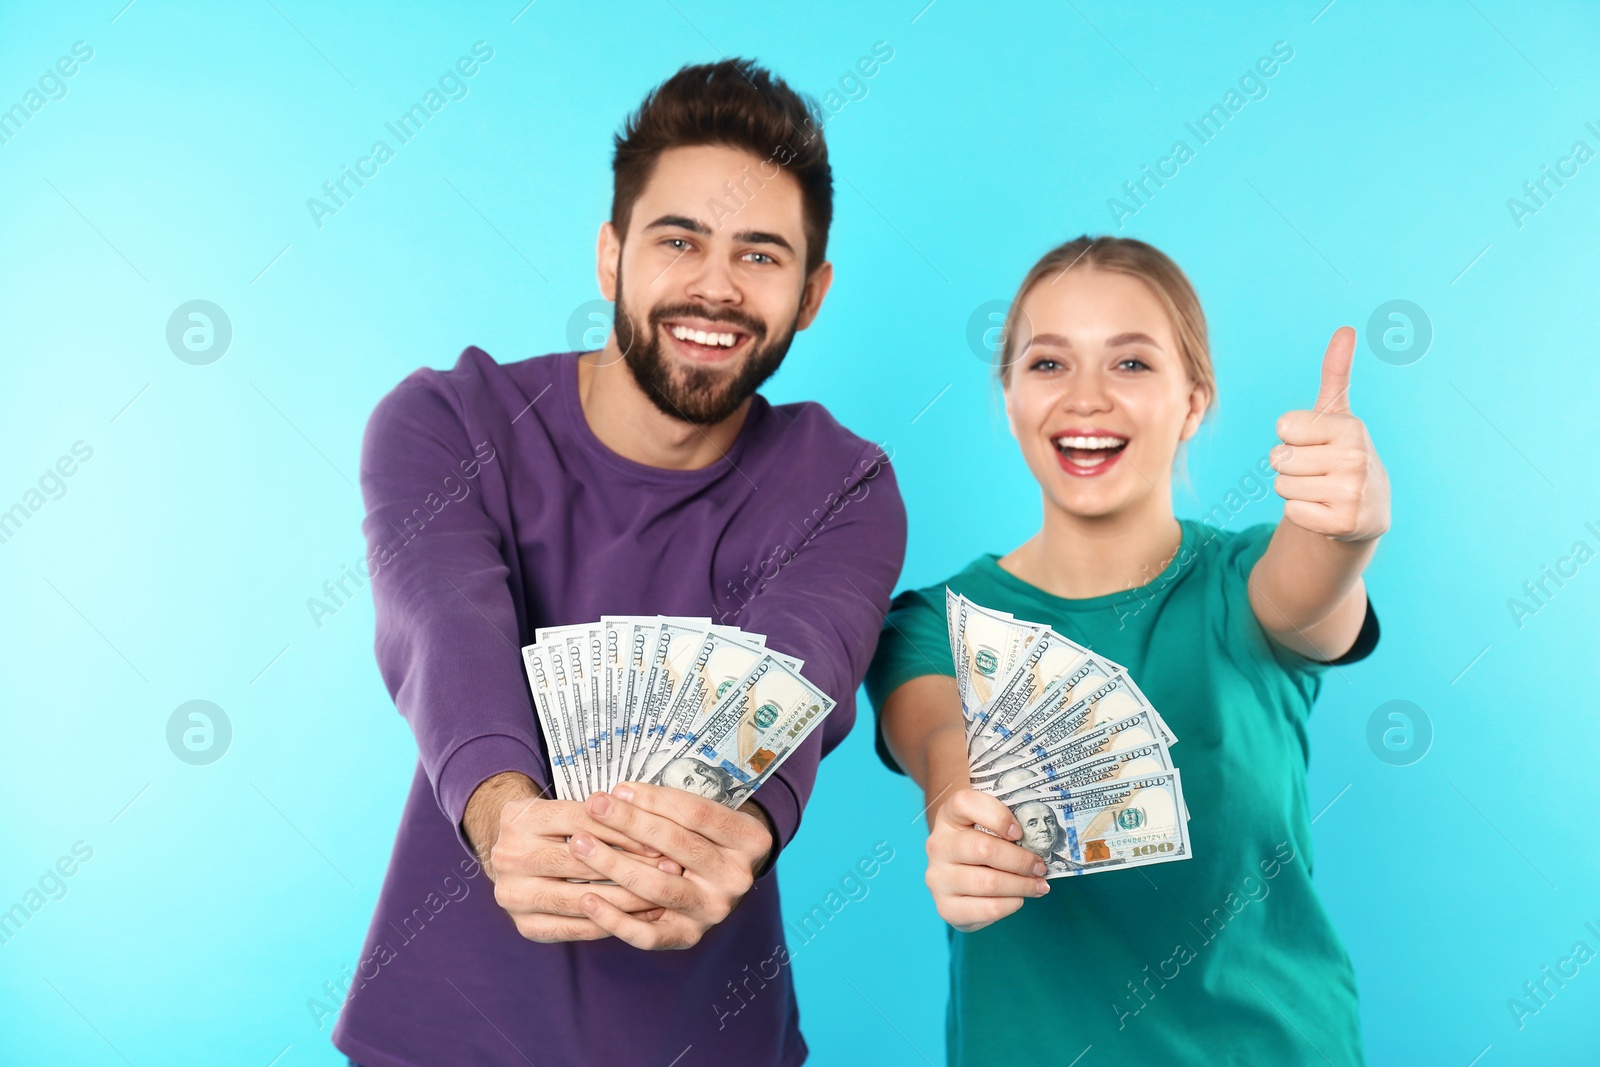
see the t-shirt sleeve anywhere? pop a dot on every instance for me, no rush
(447, 623)
(1243, 632)
(915, 642)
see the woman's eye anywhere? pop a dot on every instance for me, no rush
(1045, 365)
(1134, 363)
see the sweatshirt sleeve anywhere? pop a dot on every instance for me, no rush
(447, 624)
(826, 605)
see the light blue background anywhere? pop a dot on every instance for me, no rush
(178, 564)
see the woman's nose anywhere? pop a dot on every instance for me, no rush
(1084, 394)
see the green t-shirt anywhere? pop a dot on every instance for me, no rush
(1227, 957)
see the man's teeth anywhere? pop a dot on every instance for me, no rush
(701, 337)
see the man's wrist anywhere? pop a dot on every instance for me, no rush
(751, 807)
(480, 824)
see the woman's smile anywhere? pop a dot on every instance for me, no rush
(1087, 452)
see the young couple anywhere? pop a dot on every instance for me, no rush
(651, 477)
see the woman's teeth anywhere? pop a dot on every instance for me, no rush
(701, 337)
(1089, 451)
(1090, 442)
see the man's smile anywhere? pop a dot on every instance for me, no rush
(705, 340)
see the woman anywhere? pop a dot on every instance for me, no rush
(1227, 957)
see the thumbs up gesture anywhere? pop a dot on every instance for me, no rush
(1329, 475)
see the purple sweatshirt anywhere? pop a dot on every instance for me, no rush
(493, 509)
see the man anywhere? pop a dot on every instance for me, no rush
(646, 478)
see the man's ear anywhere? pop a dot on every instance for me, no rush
(607, 251)
(817, 285)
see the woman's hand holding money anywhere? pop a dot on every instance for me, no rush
(978, 878)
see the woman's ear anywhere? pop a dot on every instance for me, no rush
(1199, 400)
(1005, 398)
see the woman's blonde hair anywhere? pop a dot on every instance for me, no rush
(1124, 255)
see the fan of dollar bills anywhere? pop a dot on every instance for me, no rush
(667, 700)
(1066, 741)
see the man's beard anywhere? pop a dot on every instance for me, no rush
(699, 395)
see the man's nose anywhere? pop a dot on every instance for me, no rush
(713, 282)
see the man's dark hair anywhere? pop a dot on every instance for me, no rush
(740, 105)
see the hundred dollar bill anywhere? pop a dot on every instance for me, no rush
(751, 731)
(635, 642)
(616, 636)
(555, 638)
(567, 659)
(592, 646)
(1055, 670)
(718, 664)
(634, 677)
(1109, 766)
(555, 635)
(674, 645)
(1049, 657)
(986, 645)
(1126, 822)
(703, 626)
(1055, 719)
(1115, 698)
(550, 703)
(1120, 749)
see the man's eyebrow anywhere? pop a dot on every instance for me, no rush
(681, 222)
(762, 237)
